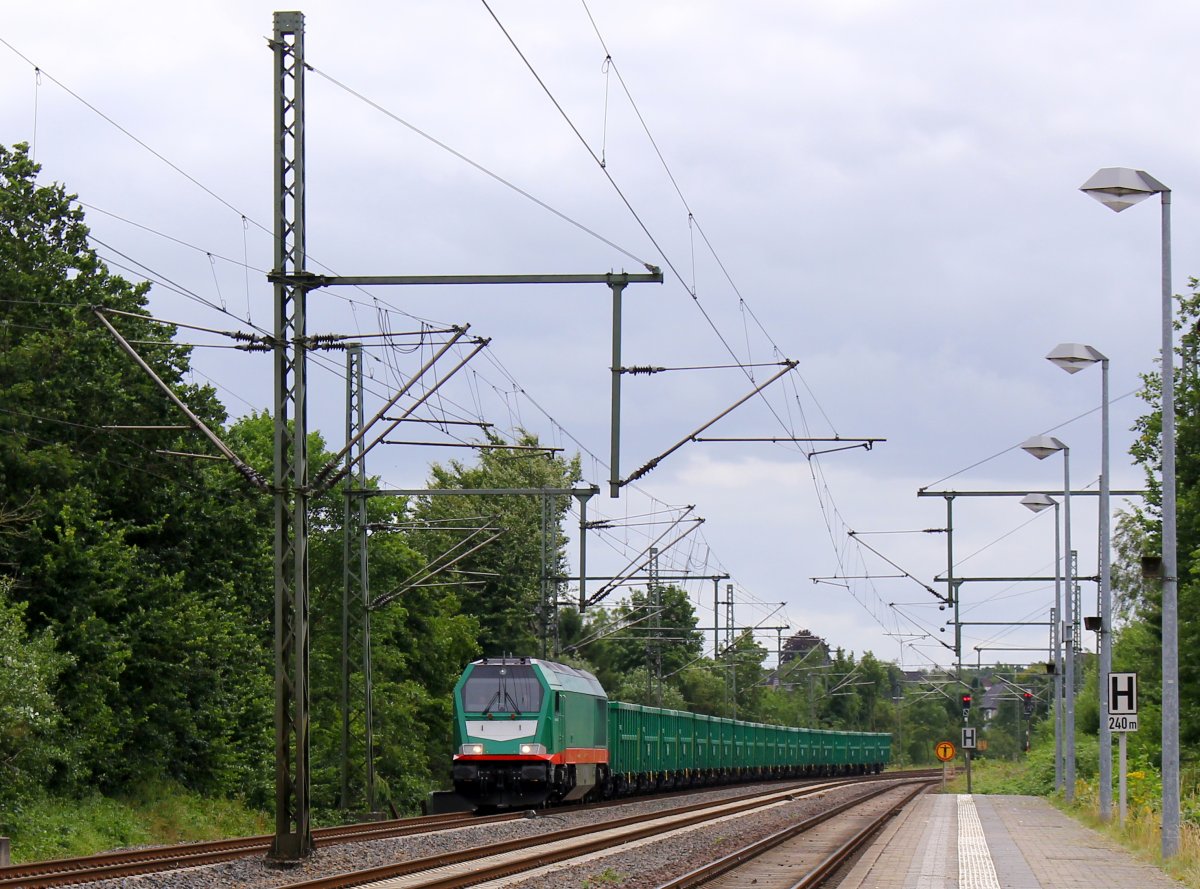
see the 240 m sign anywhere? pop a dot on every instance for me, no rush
(1122, 723)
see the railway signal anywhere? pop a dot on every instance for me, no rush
(966, 707)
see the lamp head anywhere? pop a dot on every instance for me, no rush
(1038, 502)
(1119, 188)
(1074, 357)
(1042, 446)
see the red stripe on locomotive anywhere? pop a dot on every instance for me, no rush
(597, 755)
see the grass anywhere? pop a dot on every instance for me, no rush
(53, 827)
(998, 776)
(1142, 835)
(606, 877)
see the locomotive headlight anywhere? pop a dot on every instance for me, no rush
(471, 750)
(531, 749)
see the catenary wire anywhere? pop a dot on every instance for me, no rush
(192, 179)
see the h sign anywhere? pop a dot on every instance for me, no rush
(1122, 694)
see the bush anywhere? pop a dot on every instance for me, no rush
(29, 716)
(43, 826)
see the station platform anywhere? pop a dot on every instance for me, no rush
(960, 841)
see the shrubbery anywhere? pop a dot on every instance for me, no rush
(30, 721)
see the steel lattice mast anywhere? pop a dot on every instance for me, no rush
(356, 602)
(293, 831)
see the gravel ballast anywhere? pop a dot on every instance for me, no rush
(643, 865)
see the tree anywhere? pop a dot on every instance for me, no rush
(153, 573)
(135, 561)
(638, 686)
(647, 629)
(420, 642)
(703, 687)
(925, 716)
(508, 585)
(30, 667)
(747, 659)
(1144, 530)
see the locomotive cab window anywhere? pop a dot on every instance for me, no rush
(502, 688)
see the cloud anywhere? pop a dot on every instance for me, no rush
(890, 191)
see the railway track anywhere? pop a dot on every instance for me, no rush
(468, 867)
(780, 861)
(111, 865)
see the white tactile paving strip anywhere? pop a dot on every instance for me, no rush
(1019, 842)
(975, 867)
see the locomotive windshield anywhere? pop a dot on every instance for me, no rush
(502, 688)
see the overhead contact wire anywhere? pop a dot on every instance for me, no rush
(112, 122)
(637, 218)
(583, 141)
(482, 169)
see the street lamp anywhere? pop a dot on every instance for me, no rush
(1118, 188)
(1042, 446)
(1037, 503)
(1074, 357)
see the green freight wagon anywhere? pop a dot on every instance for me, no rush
(705, 749)
(533, 732)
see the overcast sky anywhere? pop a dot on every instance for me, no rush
(884, 192)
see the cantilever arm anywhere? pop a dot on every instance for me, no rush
(247, 471)
(787, 366)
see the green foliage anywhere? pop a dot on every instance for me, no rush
(43, 826)
(637, 634)
(506, 592)
(637, 686)
(420, 642)
(135, 562)
(704, 688)
(606, 877)
(30, 720)
(154, 574)
(1143, 788)
(999, 776)
(619, 646)
(1039, 765)
(925, 717)
(136, 638)
(1138, 645)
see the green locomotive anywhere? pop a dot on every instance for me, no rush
(529, 732)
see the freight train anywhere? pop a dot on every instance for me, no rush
(530, 732)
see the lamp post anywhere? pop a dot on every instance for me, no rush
(1074, 357)
(1042, 446)
(1038, 502)
(1118, 188)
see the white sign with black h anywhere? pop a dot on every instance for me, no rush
(1122, 702)
(968, 738)
(1122, 694)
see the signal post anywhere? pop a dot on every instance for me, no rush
(944, 750)
(968, 736)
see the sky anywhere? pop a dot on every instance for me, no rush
(885, 193)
